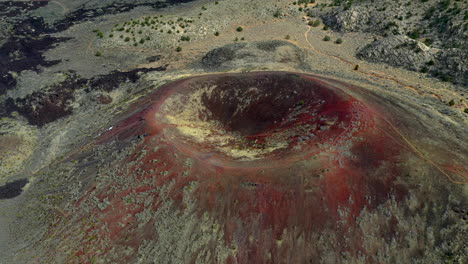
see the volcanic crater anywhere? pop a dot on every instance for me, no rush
(253, 118)
(261, 164)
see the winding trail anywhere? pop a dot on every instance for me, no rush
(462, 174)
(403, 82)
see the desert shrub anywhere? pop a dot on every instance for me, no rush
(446, 78)
(428, 41)
(240, 29)
(185, 38)
(430, 63)
(414, 34)
(339, 41)
(327, 38)
(178, 49)
(451, 103)
(127, 39)
(277, 13)
(98, 54)
(424, 69)
(315, 23)
(325, 27)
(356, 67)
(216, 33)
(287, 37)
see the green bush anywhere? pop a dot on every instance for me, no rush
(98, 54)
(277, 13)
(466, 110)
(451, 103)
(185, 38)
(216, 33)
(240, 29)
(127, 39)
(356, 67)
(428, 41)
(414, 34)
(446, 78)
(111, 35)
(315, 23)
(287, 37)
(178, 49)
(325, 27)
(327, 38)
(424, 69)
(339, 41)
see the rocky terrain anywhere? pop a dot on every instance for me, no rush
(434, 31)
(166, 131)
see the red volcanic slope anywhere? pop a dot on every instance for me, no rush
(336, 159)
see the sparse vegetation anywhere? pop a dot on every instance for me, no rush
(98, 54)
(315, 23)
(185, 38)
(178, 49)
(339, 41)
(277, 13)
(326, 38)
(240, 29)
(451, 103)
